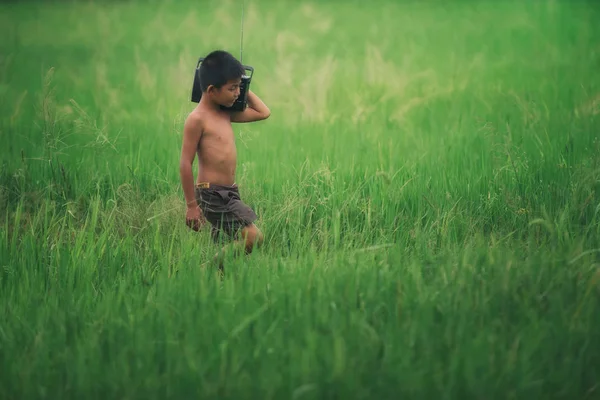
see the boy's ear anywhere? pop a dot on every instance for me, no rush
(211, 89)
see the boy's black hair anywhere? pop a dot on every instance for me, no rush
(218, 68)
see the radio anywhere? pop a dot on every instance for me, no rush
(241, 102)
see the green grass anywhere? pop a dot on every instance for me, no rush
(428, 184)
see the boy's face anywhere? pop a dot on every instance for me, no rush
(228, 93)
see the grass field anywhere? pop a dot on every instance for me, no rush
(428, 185)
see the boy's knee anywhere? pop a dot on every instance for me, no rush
(252, 237)
(259, 238)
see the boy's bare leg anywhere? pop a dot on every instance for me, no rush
(252, 238)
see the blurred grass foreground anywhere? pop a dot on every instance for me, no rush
(428, 185)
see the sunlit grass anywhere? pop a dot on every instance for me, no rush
(428, 184)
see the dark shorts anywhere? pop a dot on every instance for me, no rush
(223, 209)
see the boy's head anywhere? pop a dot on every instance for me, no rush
(220, 77)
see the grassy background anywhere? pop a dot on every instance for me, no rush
(428, 184)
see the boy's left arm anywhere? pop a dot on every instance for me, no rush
(256, 110)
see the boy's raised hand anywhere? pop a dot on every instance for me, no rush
(256, 110)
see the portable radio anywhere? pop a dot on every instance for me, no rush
(241, 102)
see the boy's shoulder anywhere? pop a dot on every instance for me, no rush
(201, 117)
(196, 115)
(194, 122)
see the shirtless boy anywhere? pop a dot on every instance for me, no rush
(208, 133)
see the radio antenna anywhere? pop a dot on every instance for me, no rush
(242, 35)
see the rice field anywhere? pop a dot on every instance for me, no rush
(428, 185)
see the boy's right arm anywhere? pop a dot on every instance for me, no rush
(192, 132)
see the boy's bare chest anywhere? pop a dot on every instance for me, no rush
(218, 133)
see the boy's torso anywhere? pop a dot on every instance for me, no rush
(217, 154)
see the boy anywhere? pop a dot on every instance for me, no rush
(208, 133)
